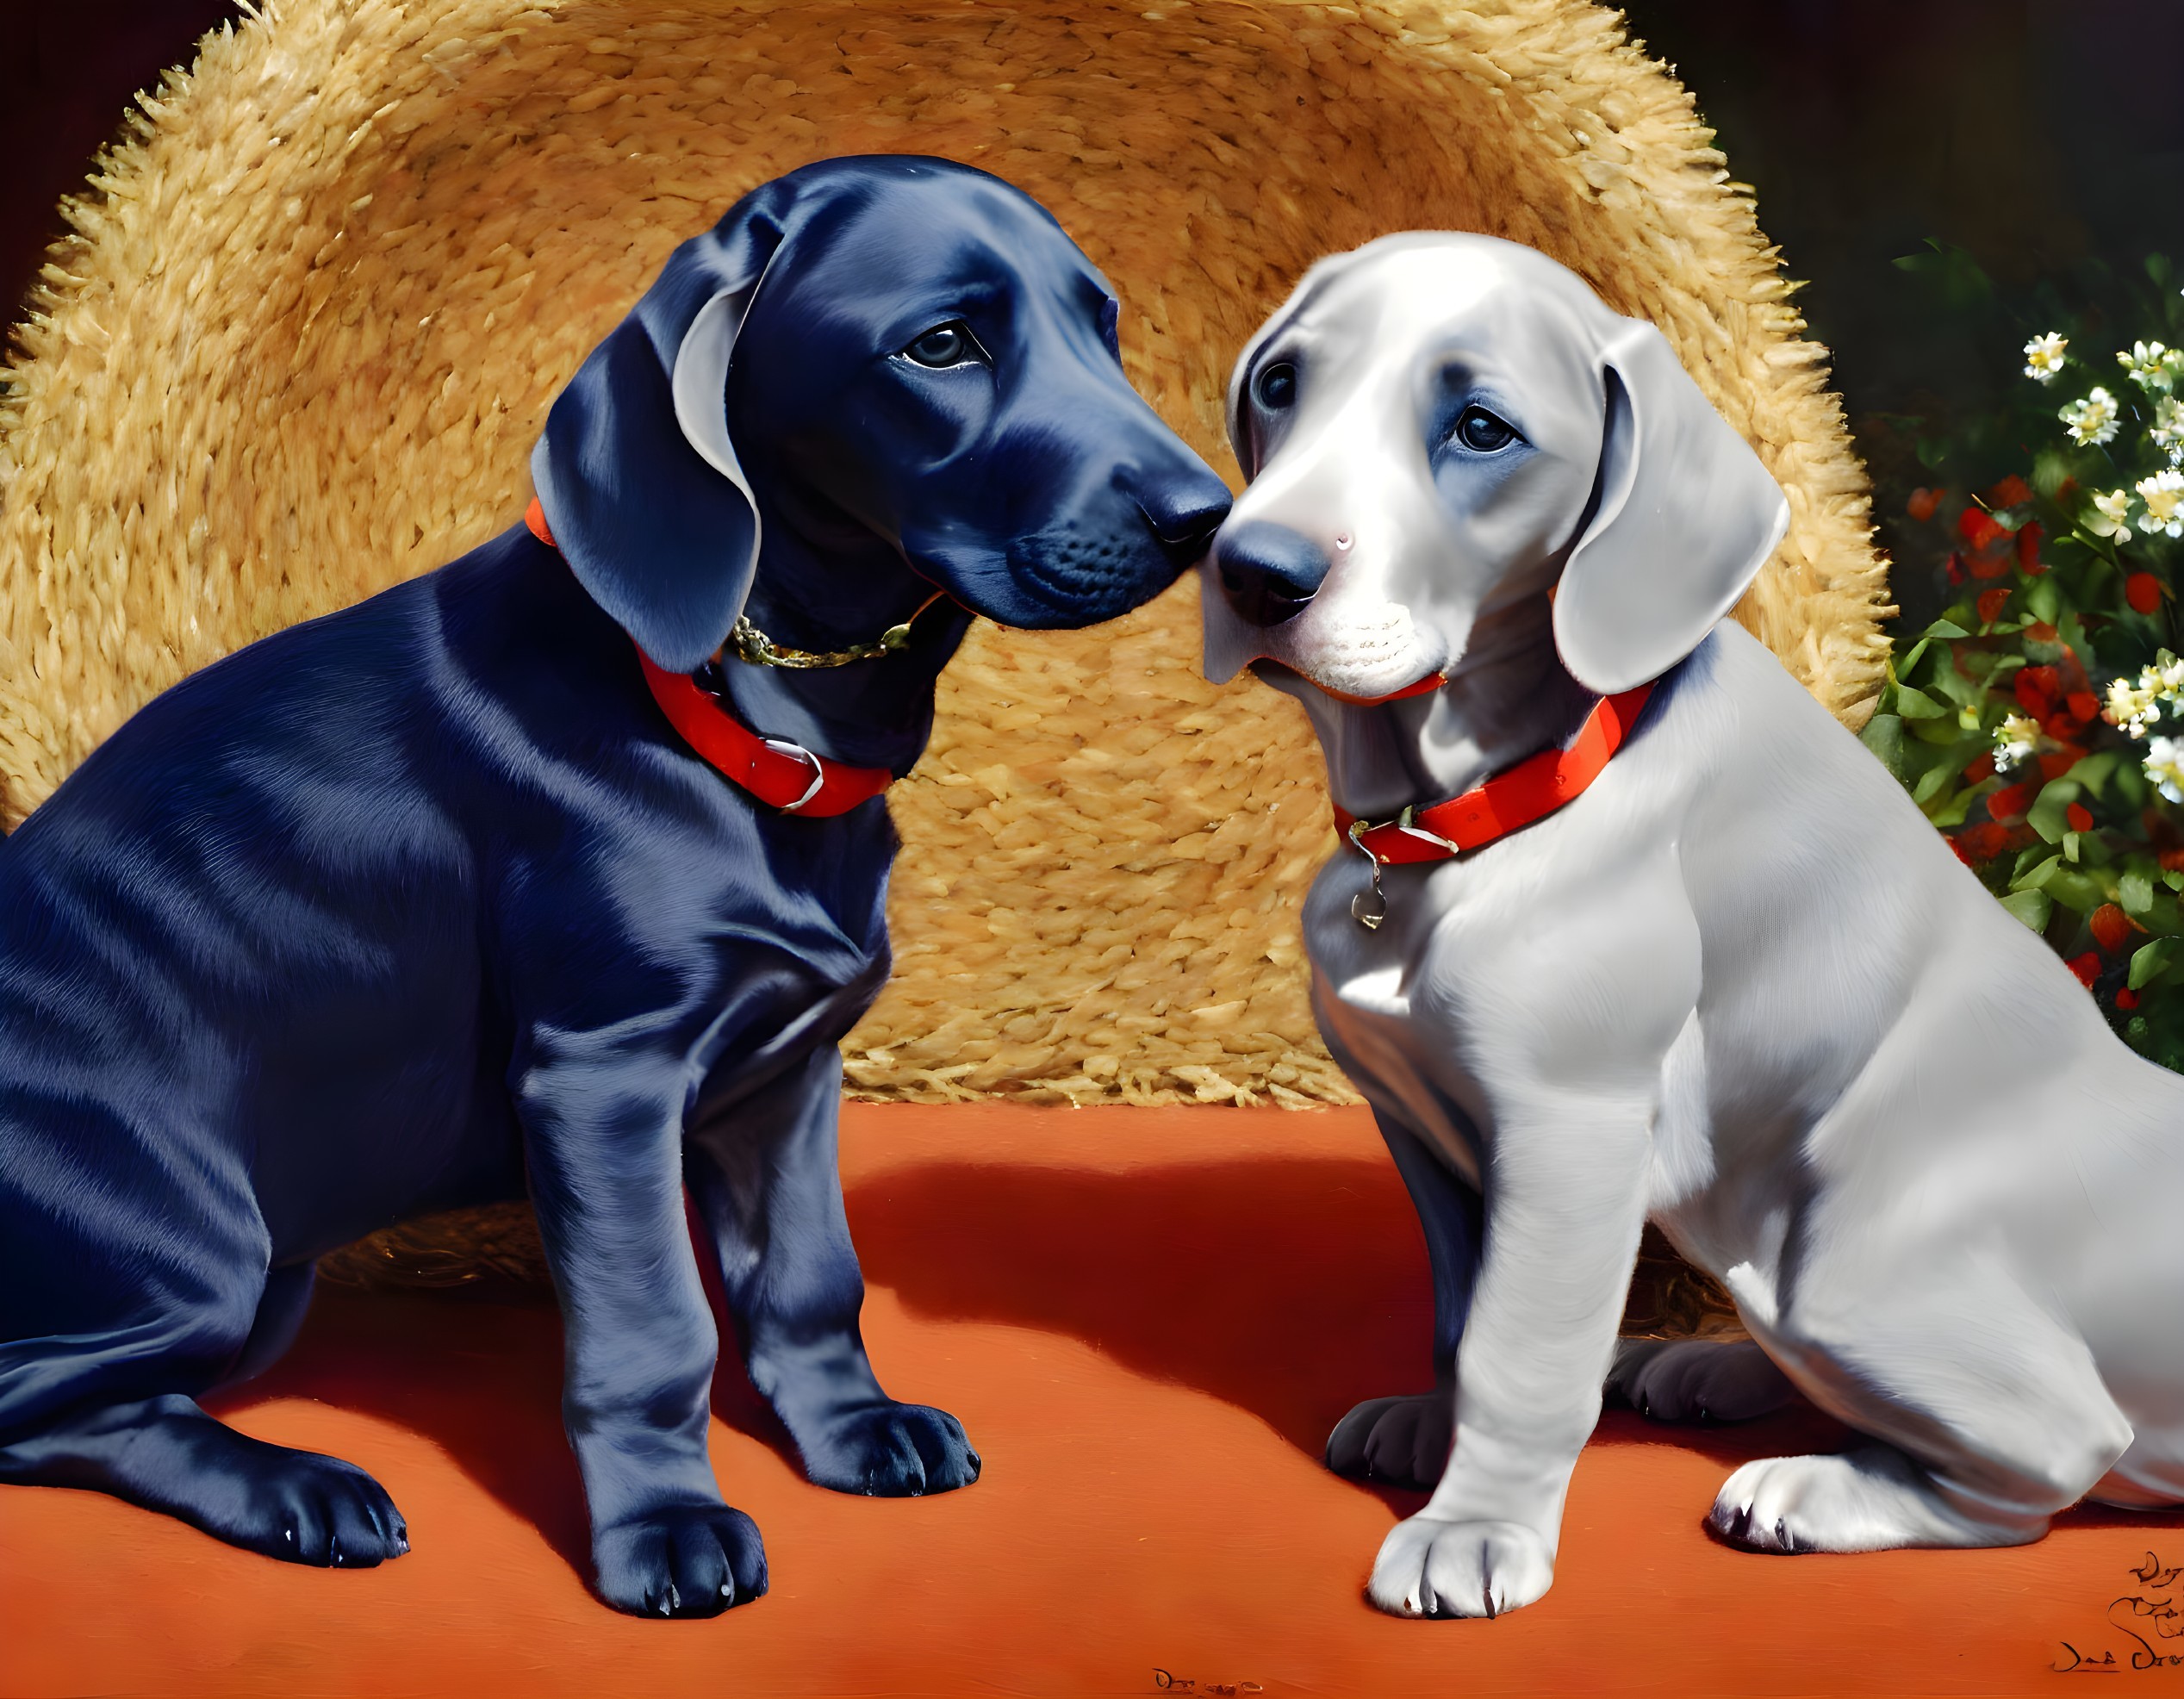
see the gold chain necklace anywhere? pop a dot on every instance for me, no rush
(747, 643)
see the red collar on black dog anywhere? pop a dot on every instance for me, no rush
(1529, 790)
(781, 775)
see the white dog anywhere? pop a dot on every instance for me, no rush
(1724, 975)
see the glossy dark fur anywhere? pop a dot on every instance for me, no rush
(423, 904)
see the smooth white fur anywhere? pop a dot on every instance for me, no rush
(1741, 986)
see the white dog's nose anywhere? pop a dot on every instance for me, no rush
(1268, 571)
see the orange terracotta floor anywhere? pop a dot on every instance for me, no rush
(1147, 1319)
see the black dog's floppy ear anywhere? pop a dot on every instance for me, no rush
(1685, 516)
(640, 484)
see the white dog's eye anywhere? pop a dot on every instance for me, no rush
(1481, 430)
(949, 345)
(1276, 386)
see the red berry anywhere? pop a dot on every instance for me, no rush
(2087, 968)
(1978, 528)
(1991, 603)
(2110, 925)
(2037, 689)
(2127, 999)
(2080, 819)
(2143, 592)
(2007, 803)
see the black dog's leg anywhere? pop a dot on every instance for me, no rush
(281, 1308)
(764, 1174)
(602, 1120)
(1405, 1440)
(74, 1412)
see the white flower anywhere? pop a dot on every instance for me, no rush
(2148, 364)
(2133, 708)
(2015, 740)
(2112, 512)
(2163, 495)
(2165, 766)
(2167, 430)
(2091, 421)
(2043, 357)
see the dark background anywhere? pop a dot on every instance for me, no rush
(2033, 133)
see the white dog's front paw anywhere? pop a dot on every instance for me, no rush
(1429, 1566)
(1874, 1499)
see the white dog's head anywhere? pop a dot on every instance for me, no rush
(1438, 427)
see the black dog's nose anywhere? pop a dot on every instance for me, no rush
(1269, 571)
(1185, 515)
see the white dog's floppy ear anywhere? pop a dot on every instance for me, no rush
(1683, 516)
(640, 486)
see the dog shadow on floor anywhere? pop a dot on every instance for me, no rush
(1289, 1287)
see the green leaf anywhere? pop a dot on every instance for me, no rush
(1945, 733)
(1931, 782)
(1945, 627)
(1917, 705)
(2080, 893)
(2042, 602)
(1909, 664)
(2032, 907)
(1951, 814)
(2135, 890)
(1884, 735)
(2046, 815)
(2092, 772)
(2039, 875)
(1948, 681)
(2150, 958)
(2050, 472)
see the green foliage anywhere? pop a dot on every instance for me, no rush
(2039, 720)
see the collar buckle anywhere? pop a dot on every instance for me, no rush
(797, 751)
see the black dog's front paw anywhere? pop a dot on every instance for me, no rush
(321, 1510)
(1401, 1442)
(1697, 1380)
(693, 1560)
(891, 1451)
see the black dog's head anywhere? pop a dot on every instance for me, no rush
(894, 350)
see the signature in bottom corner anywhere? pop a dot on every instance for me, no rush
(2153, 1615)
(1168, 1682)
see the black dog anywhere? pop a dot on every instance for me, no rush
(430, 902)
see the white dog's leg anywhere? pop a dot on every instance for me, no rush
(1995, 1412)
(1564, 1208)
(1697, 1380)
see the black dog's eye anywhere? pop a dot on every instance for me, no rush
(945, 345)
(1277, 387)
(949, 345)
(1482, 431)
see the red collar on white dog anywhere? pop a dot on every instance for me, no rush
(781, 775)
(1507, 802)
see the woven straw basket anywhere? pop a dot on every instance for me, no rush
(311, 323)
